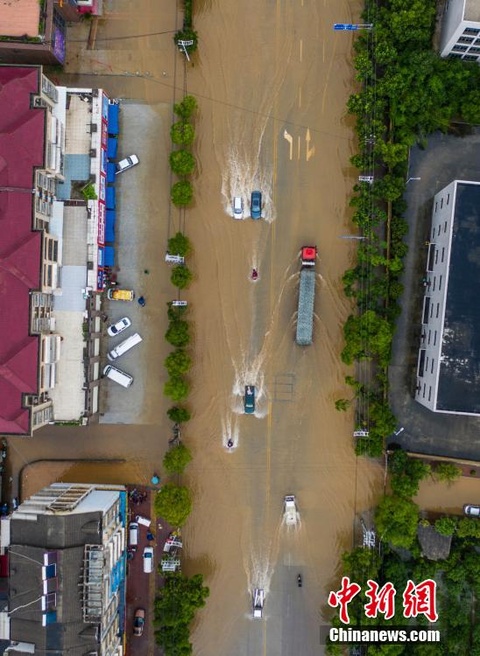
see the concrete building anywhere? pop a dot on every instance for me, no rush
(460, 35)
(448, 368)
(66, 551)
(34, 32)
(53, 257)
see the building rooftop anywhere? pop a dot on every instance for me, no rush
(20, 17)
(459, 375)
(22, 144)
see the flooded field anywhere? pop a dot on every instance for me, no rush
(271, 80)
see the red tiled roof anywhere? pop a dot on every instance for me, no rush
(22, 135)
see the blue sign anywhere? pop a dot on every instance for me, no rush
(345, 26)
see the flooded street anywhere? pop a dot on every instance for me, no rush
(272, 81)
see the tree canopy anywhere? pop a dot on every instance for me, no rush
(173, 503)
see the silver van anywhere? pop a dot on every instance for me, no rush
(124, 346)
(133, 534)
(120, 377)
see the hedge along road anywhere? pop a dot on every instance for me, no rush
(272, 94)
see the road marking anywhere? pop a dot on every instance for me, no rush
(300, 97)
(301, 49)
(310, 152)
(298, 147)
(289, 138)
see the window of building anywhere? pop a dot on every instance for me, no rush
(441, 202)
(445, 226)
(471, 30)
(431, 310)
(454, 55)
(448, 198)
(435, 338)
(421, 363)
(429, 393)
(436, 256)
(440, 283)
(434, 283)
(465, 39)
(439, 230)
(474, 49)
(424, 388)
(470, 58)
(443, 254)
(438, 310)
(432, 365)
(429, 336)
(426, 308)
(457, 48)
(436, 204)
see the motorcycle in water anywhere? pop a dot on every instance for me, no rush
(299, 580)
(254, 274)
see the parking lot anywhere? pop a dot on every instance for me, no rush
(140, 239)
(446, 158)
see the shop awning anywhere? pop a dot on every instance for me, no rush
(110, 198)
(113, 115)
(108, 256)
(110, 226)
(112, 147)
(111, 168)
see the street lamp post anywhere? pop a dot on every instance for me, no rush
(412, 179)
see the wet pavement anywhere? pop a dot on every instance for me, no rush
(446, 158)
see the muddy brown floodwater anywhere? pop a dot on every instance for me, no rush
(272, 80)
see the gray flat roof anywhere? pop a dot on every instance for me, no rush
(459, 375)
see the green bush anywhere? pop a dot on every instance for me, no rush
(177, 363)
(179, 244)
(173, 503)
(181, 193)
(176, 459)
(182, 162)
(182, 133)
(446, 526)
(176, 389)
(178, 333)
(178, 415)
(89, 193)
(186, 108)
(181, 276)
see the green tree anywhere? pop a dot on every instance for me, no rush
(178, 333)
(179, 244)
(186, 108)
(396, 521)
(446, 525)
(181, 276)
(447, 472)
(176, 389)
(178, 415)
(182, 162)
(173, 503)
(177, 363)
(88, 192)
(342, 404)
(182, 133)
(181, 193)
(406, 473)
(468, 528)
(176, 459)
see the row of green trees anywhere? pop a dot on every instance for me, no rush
(407, 92)
(180, 597)
(182, 160)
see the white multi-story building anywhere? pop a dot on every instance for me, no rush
(448, 368)
(460, 36)
(67, 567)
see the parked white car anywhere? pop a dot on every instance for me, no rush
(119, 327)
(127, 163)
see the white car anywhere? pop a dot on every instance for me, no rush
(237, 207)
(119, 327)
(127, 163)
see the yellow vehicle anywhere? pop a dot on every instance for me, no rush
(120, 294)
